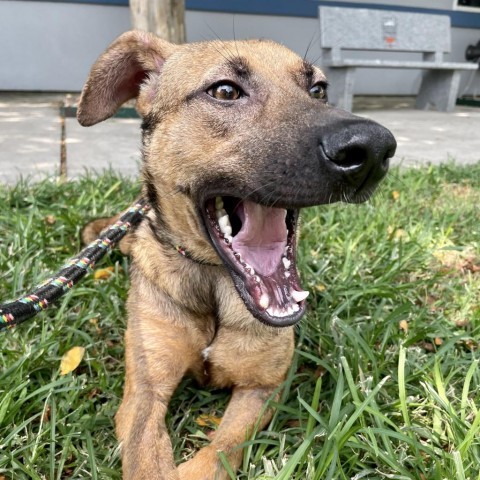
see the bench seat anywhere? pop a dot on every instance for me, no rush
(370, 30)
(360, 63)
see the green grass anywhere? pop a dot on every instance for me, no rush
(385, 381)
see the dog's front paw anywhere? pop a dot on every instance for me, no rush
(205, 465)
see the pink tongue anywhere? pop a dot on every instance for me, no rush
(263, 237)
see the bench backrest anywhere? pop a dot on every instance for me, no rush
(365, 29)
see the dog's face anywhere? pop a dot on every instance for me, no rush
(243, 135)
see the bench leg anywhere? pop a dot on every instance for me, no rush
(440, 89)
(340, 90)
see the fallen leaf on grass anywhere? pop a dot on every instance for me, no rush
(462, 261)
(462, 322)
(403, 324)
(94, 322)
(45, 417)
(471, 345)
(103, 273)
(395, 195)
(49, 220)
(205, 420)
(71, 360)
(397, 233)
(438, 341)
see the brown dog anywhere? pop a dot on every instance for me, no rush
(237, 137)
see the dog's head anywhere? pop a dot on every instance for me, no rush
(237, 137)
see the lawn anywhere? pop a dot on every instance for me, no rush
(385, 381)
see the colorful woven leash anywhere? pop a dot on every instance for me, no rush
(50, 290)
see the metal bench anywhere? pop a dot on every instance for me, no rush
(343, 29)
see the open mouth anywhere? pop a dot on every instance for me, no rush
(258, 246)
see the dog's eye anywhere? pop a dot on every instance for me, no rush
(225, 91)
(319, 90)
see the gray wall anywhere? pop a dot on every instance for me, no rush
(51, 46)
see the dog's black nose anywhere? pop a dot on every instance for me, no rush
(359, 147)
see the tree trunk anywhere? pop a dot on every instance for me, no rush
(165, 18)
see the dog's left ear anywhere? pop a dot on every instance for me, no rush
(119, 73)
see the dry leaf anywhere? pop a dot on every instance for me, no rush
(403, 325)
(395, 195)
(463, 322)
(103, 273)
(321, 287)
(470, 344)
(94, 321)
(49, 220)
(465, 260)
(71, 360)
(438, 341)
(206, 420)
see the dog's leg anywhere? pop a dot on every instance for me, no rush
(158, 355)
(245, 412)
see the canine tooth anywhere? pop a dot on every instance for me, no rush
(264, 301)
(218, 203)
(286, 262)
(224, 222)
(299, 296)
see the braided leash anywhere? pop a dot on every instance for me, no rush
(50, 290)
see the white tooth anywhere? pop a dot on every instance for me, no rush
(296, 307)
(220, 213)
(218, 203)
(224, 222)
(299, 296)
(271, 312)
(228, 237)
(286, 251)
(227, 230)
(264, 301)
(287, 274)
(290, 310)
(286, 262)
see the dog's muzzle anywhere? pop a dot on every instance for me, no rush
(324, 157)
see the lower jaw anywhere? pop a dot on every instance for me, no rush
(263, 315)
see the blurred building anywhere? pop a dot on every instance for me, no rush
(50, 45)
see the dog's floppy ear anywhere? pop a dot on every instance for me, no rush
(119, 72)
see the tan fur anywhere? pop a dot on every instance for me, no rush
(177, 307)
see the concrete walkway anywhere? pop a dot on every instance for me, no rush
(31, 133)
